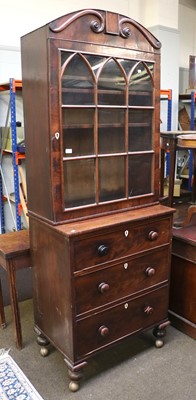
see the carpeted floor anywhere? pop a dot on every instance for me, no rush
(134, 370)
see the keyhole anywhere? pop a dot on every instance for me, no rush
(57, 135)
(126, 233)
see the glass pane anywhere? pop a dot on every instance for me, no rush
(111, 178)
(140, 172)
(140, 87)
(128, 65)
(111, 133)
(111, 85)
(78, 132)
(77, 83)
(140, 130)
(150, 66)
(64, 56)
(96, 62)
(79, 182)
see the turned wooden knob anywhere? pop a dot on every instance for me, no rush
(103, 287)
(148, 310)
(150, 271)
(103, 250)
(153, 235)
(103, 330)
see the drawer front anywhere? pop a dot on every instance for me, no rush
(129, 239)
(106, 327)
(109, 284)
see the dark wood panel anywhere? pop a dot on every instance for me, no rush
(121, 321)
(182, 304)
(129, 239)
(121, 280)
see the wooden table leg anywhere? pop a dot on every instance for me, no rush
(14, 303)
(162, 172)
(194, 176)
(172, 176)
(2, 314)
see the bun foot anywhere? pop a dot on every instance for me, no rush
(75, 374)
(73, 386)
(44, 351)
(44, 343)
(159, 343)
(159, 332)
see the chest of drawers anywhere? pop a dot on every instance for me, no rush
(106, 280)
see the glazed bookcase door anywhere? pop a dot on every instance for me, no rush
(107, 106)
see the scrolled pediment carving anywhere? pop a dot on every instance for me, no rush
(125, 31)
(96, 25)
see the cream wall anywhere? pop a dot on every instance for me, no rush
(160, 12)
(20, 17)
(187, 27)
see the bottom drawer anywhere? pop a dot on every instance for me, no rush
(122, 320)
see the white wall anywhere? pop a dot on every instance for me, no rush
(20, 17)
(160, 12)
(163, 19)
(187, 27)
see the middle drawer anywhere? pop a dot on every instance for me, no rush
(109, 284)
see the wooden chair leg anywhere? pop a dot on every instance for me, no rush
(14, 303)
(2, 314)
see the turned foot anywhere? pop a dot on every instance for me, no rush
(44, 343)
(159, 332)
(73, 386)
(75, 374)
(159, 343)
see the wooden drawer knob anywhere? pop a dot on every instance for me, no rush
(153, 235)
(103, 287)
(150, 271)
(103, 250)
(148, 310)
(103, 330)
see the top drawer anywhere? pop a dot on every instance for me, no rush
(120, 242)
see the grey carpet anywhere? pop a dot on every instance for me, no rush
(133, 370)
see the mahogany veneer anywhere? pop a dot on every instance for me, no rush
(100, 241)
